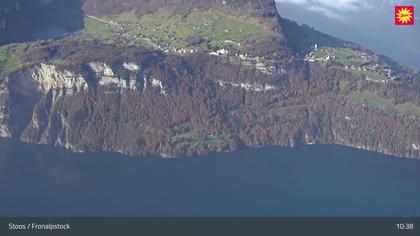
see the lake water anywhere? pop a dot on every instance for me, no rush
(42, 20)
(325, 180)
(49, 32)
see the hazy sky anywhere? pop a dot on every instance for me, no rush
(370, 23)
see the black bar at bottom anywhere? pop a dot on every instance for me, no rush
(210, 226)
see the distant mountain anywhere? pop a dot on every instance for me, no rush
(303, 38)
(190, 77)
(378, 33)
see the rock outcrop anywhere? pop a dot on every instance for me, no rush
(4, 96)
(49, 78)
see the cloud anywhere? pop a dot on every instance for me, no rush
(331, 8)
(326, 12)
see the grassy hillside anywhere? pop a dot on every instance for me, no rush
(10, 57)
(197, 30)
(372, 100)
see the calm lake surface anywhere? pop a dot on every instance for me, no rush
(42, 20)
(49, 32)
(325, 180)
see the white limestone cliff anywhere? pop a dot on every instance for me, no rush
(131, 67)
(4, 93)
(48, 77)
(106, 76)
(158, 84)
(248, 86)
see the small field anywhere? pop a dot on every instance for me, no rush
(368, 74)
(348, 57)
(194, 138)
(99, 30)
(342, 56)
(321, 53)
(372, 100)
(352, 61)
(10, 57)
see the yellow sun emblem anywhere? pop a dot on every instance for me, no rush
(404, 15)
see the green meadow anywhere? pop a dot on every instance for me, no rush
(211, 28)
(10, 57)
(374, 101)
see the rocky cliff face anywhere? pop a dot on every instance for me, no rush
(141, 101)
(4, 95)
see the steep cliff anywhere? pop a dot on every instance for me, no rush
(87, 94)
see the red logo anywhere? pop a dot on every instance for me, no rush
(404, 15)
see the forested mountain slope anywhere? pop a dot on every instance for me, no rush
(189, 77)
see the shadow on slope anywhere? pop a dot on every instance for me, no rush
(301, 38)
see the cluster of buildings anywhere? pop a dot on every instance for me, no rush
(370, 64)
(329, 55)
(375, 68)
(129, 38)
